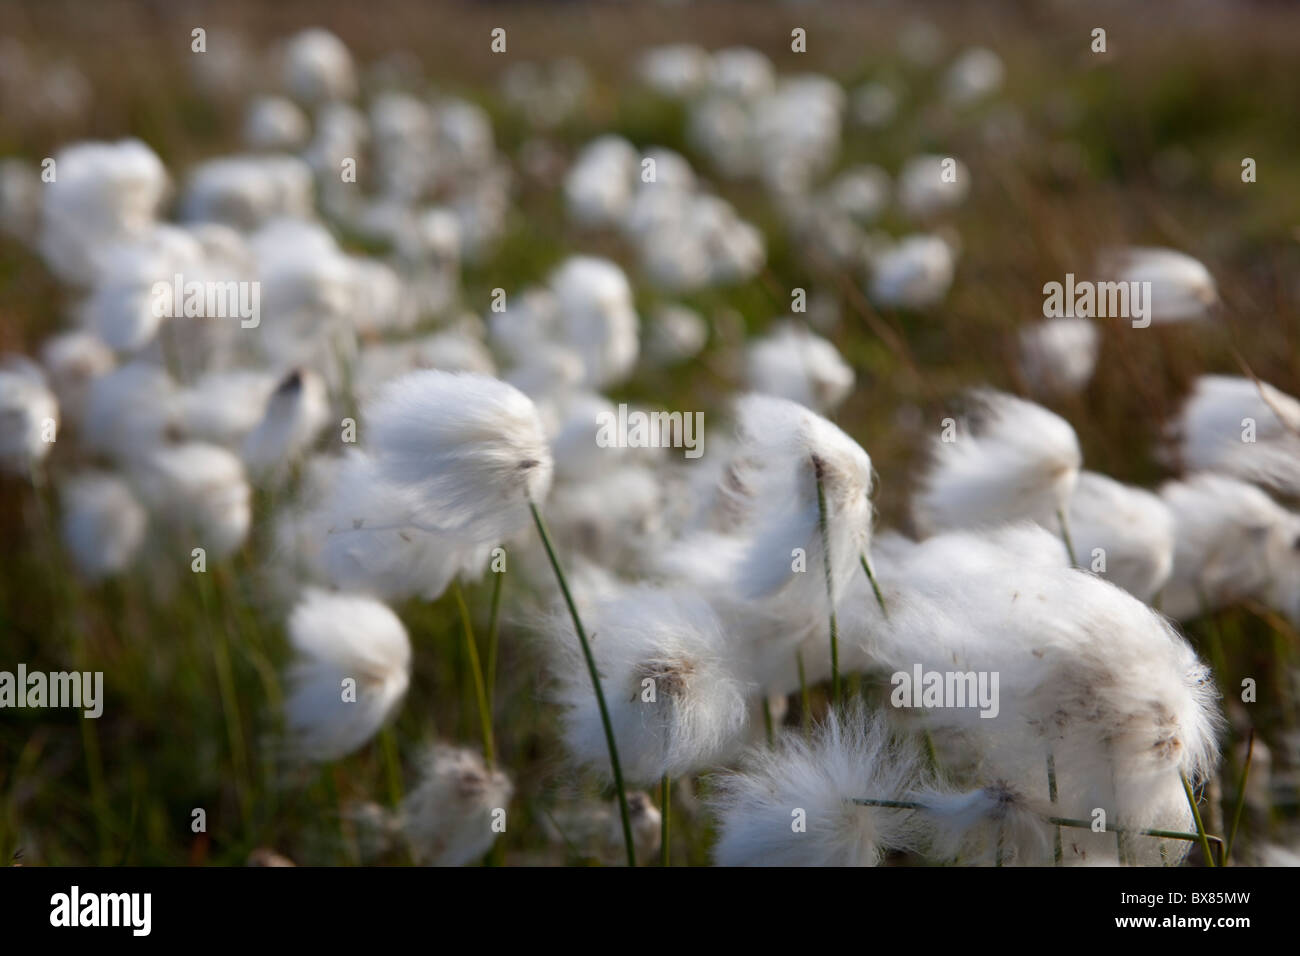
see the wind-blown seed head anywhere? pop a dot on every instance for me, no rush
(793, 806)
(1058, 356)
(295, 414)
(1231, 542)
(1243, 428)
(340, 638)
(794, 363)
(468, 449)
(675, 701)
(1085, 672)
(1181, 287)
(448, 818)
(1125, 534)
(1008, 460)
(597, 317)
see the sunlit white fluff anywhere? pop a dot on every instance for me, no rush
(1008, 459)
(1243, 428)
(988, 826)
(103, 523)
(1058, 356)
(794, 363)
(1123, 533)
(597, 317)
(102, 191)
(448, 817)
(915, 273)
(1086, 673)
(72, 361)
(677, 70)
(295, 414)
(676, 703)
(199, 490)
(29, 416)
(598, 188)
(129, 410)
(318, 67)
(247, 191)
(343, 643)
(741, 72)
(814, 783)
(470, 448)
(977, 73)
(929, 185)
(1231, 542)
(1181, 287)
(222, 407)
(273, 122)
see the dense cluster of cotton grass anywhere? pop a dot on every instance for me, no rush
(699, 599)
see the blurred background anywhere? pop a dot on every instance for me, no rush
(1067, 152)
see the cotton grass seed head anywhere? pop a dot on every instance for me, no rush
(470, 451)
(1006, 460)
(351, 668)
(793, 806)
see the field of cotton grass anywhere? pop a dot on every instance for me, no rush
(351, 364)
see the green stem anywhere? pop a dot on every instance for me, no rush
(1057, 850)
(805, 700)
(1196, 815)
(392, 764)
(830, 588)
(494, 619)
(1065, 536)
(229, 704)
(617, 769)
(1241, 796)
(875, 585)
(480, 692)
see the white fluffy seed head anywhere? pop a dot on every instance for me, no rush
(199, 490)
(793, 806)
(448, 818)
(676, 703)
(295, 414)
(1007, 460)
(796, 364)
(1182, 288)
(103, 523)
(597, 317)
(29, 417)
(913, 274)
(1058, 356)
(468, 450)
(351, 670)
(1242, 428)
(1123, 533)
(1232, 542)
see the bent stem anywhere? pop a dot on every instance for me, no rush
(830, 589)
(480, 692)
(1065, 536)
(875, 585)
(617, 769)
(1201, 836)
(1196, 815)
